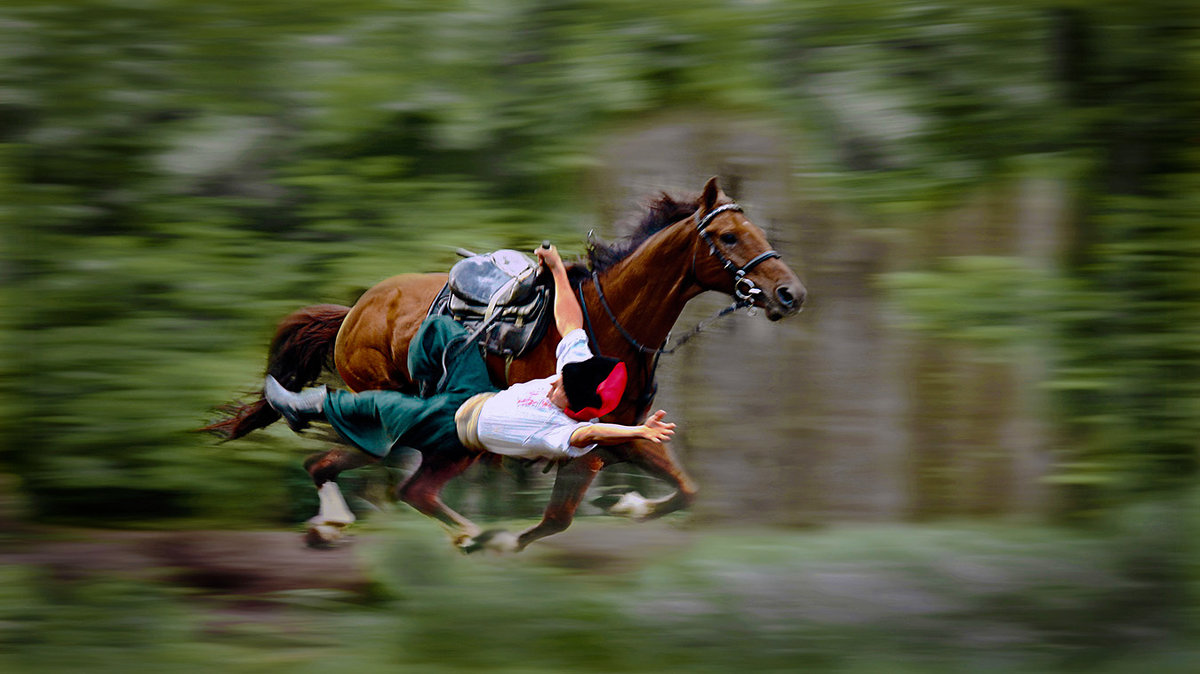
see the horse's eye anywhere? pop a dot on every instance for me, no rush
(728, 238)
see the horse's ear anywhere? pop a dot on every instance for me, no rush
(712, 193)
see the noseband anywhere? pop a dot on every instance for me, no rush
(744, 289)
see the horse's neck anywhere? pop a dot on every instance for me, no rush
(648, 290)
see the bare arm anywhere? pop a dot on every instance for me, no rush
(654, 430)
(567, 314)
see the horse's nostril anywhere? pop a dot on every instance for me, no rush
(791, 300)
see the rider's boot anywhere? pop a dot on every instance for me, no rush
(297, 408)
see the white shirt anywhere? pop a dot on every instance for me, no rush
(521, 420)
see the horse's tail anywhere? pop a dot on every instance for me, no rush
(301, 349)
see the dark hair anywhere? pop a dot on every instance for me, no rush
(580, 380)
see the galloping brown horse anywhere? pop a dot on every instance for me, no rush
(632, 297)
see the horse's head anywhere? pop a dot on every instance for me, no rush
(735, 257)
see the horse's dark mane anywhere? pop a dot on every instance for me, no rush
(661, 213)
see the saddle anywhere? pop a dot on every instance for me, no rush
(499, 298)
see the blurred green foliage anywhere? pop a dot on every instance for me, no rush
(177, 175)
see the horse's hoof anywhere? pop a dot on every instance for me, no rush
(497, 541)
(324, 536)
(466, 543)
(632, 505)
(503, 543)
(336, 521)
(609, 496)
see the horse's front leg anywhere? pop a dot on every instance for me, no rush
(423, 491)
(659, 461)
(329, 524)
(570, 484)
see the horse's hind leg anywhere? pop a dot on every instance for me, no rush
(659, 461)
(423, 491)
(570, 484)
(330, 522)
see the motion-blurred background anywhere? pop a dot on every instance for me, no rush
(975, 450)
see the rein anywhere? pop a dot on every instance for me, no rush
(612, 316)
(744, 289)
(651, 389)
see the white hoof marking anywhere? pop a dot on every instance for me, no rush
(333, 507)
(504, 542)
(632, 505)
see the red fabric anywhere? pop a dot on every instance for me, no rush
(610, 390)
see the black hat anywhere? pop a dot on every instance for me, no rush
(593, 386)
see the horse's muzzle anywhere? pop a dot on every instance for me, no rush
(785, 302)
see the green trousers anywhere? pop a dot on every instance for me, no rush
(378, 421)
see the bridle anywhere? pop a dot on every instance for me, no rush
(744, 289)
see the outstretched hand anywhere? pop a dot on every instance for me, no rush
(656, 430)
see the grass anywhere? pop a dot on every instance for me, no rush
(898, 598)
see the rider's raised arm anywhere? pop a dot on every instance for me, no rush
(567, 314)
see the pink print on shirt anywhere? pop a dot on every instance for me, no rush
(535, 401)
